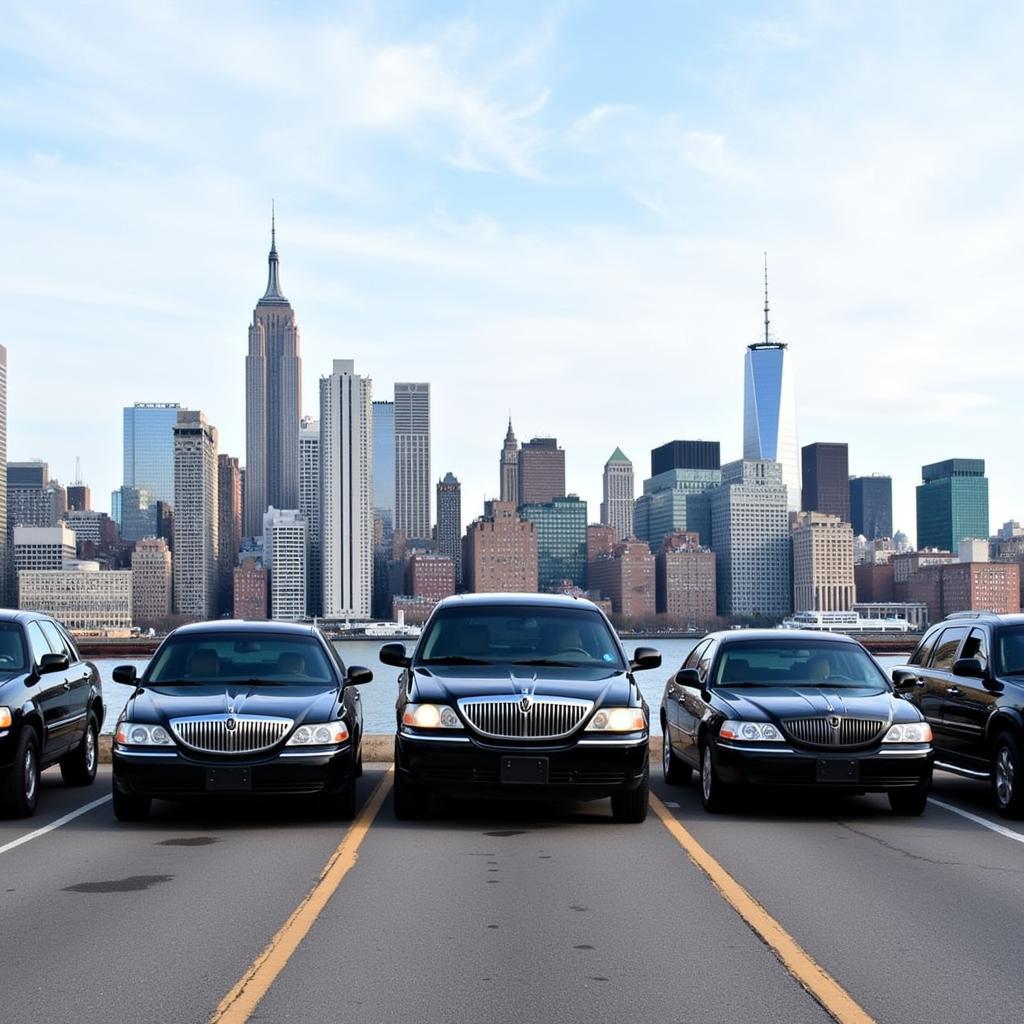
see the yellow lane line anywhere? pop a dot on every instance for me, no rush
(238, 1005)
(835, 1000)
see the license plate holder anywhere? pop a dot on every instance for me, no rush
(228, 780)
(836, 770)
(524, 770)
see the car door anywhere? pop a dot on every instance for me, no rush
(937, 677)
(692, 706)
(674, 696)
(51, 695)
(79, 678)
(968, 704)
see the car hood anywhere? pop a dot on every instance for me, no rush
(448, 684)
(776, 702)
(317, 703)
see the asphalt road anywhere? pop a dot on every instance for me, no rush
(511, 913)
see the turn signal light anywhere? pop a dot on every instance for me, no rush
(5, 718)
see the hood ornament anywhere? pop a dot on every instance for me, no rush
(230, 723)
(834, 720)
(526, 703)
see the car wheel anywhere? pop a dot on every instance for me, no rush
(130, 808)
(21, 786)
(715, 795)
(359, 760)
(79, 767)
(341, 806)
(1007, 780)
(630, 807)
(910, 801)
(676, 773)
(410, 801)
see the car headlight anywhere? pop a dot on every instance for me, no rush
(618, 720)
(135, 734)
(323, 734)
(750, 732)
(911, 732)
(431, 716)
(5, 718)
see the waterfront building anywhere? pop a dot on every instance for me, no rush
(285, 544)
(617, 503)
(952, 503)
(509, 467)
(273, 402)
(541, 471)
(309, 506)
(79, 595)
(601, 540)
(346, 475)
(966, 586)
(79, 497)
(685, 586)
(229, 529)
(826, 479)
(626, 577)
(769, 408)
(875, 582)
(676, 501)
(871, 506)
(429, 576)
(151, 582)
(250, 590)
(500, 552)
(750, 538)
(412, 459)
(43, 547)
(914, 614)
(196, 517)
(148, 452)
(823, 577)
(685, 455)
(449, 522)
(561, 540)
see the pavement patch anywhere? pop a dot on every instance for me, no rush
(188, 841)
(134, 883)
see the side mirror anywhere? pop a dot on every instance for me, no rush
(125, 674)
(645, 658)
(904, 680)
(688, 677)
(969, 668)
(53, 663)
(357, 675)
(394, 654)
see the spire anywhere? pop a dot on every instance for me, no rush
(273, 293)
(766, 339)
(509, 436)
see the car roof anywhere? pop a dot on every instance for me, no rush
(517, 600)
(17, 615)
(245, 626)
(992, 618)
(737, 635)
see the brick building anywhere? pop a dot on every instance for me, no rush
(626, 577)
(500, 552)
(685, 579)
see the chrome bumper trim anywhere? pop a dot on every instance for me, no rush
(144, 753)
(433, 739)
(966, 772)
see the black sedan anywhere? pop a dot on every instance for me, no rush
(520, 695)
(239, 709)
(792, 708)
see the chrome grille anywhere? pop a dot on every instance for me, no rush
(548, 718)
(249, 734)
(817, 732)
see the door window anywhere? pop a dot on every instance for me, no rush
(694, 656)
(707, 656)
(924, 649)
(976, 646)
(56, 641)
(37, 643)
(945, 649)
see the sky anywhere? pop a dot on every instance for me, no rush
(557, 210)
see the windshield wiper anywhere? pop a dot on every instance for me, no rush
(454, 659)
(552, 662)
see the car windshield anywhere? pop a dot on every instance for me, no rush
(519, 635)
(12, 648)
(1011, 651)
(799, 663)
(219, 658)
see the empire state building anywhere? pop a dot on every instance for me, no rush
(273, 400)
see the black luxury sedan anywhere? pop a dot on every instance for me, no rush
(51, 709)
(967, 679)
(792, 708)
(237, 709)
(520, 695)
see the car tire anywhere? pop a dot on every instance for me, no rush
(630, 807)
(1008, 776)
(79, 767)
(359, 760)
(131, 808)
(910, 801)
(19, 791)
(715, 796)
(675, 771)
(411, 802)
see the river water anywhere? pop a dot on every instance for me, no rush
(379, 696)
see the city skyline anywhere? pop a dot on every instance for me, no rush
(109, 229)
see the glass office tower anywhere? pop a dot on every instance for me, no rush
(561, 527)
(952, 504)
(149, 448)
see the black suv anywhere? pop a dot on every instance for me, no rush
(967, 679)
(51, 709)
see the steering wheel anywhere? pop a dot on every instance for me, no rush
(6, 659)
(573, 650)
(839, 678)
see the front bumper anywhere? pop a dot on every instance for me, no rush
(878, 769)
(585, 769)
(180, 775)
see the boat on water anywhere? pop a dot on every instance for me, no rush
(844, 622)
(390, 629)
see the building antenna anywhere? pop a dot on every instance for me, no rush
(78, 469)
(273, 227)
(766, 341)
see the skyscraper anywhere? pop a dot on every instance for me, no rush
(229, 530)
(148, 436)
(541, 471)
(449, 522)
(273, 400)
(500, 552)
(871, 506)
(151, 582)
(561, 540)
(826, 480)
(309, 506)
(412, 459)
(346, 474)
(617, 504)
(285, 544)
(823, 578)
(952, 504)
(383, 504)
(685, 455)
(196, 519)
(509, 467)
(3, 477)
(769, 408)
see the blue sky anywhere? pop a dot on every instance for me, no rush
(557, 209)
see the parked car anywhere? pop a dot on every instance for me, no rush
(967, 679)
(521, 696)
(51, 709)
(240, 709)
(792, 708)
